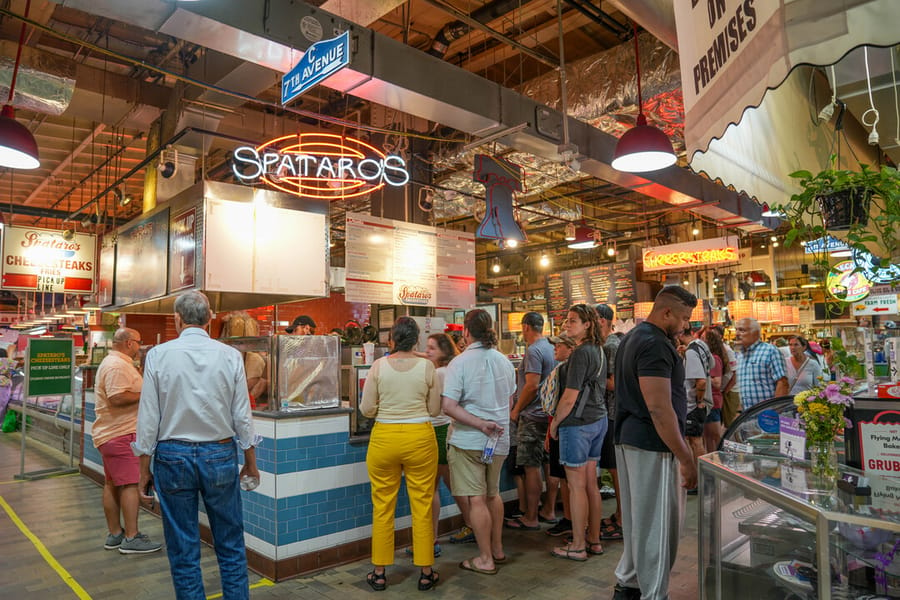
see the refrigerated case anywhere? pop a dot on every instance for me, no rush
(303, 370)
(757, 426)
(764, 532)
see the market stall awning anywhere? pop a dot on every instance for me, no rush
(732, 51)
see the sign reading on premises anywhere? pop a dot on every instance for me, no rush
(323, 166)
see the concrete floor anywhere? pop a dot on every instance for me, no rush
(51, 547)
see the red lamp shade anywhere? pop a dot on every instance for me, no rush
(643, 148)
(585, 238)
(18, 148)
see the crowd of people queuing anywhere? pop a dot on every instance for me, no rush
(643, 406)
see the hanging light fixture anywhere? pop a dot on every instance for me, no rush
(585, 238)
(767, 211)
(643, 147)
(570, 232)
(18, 148)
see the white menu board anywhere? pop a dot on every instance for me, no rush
(393, 262)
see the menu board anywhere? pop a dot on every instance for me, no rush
(393, 262)
(182, 250)
(46, 260)
(611, 284)
(141, 256)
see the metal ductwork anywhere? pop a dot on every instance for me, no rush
(45, 82)
(454, 30)
(387, 72)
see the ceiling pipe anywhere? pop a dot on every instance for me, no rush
(601, 17)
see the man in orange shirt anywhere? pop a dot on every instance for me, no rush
(118, 391)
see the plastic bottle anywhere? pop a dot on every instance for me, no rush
(249, 483)
(487, 456)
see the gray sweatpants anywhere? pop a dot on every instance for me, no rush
(652, 516)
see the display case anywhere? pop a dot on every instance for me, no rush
(765, 533)
(303, 371)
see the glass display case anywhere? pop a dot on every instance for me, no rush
(765, 533)
(302, 371)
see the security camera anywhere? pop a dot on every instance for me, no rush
(426, 199)
(168, 163)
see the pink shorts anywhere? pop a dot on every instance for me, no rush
(120, 465)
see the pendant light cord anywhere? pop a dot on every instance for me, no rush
(637, 63)
(15, 73)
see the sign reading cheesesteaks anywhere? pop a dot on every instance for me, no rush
(42, 260)
(691, 255)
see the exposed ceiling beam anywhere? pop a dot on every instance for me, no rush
(64, 163)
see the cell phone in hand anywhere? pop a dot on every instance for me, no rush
(148, 490)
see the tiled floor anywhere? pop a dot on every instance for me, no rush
(64, 515)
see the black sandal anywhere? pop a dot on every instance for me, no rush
(378, 581)
(426, 582)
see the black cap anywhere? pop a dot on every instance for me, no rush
(300, 321)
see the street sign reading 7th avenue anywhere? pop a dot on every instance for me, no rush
(321, 60)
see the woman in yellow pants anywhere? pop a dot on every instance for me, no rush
(402, 394)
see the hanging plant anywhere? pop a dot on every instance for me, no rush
(865, 204)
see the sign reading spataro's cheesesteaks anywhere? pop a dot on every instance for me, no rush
(42, 260)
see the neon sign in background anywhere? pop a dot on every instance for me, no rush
(322, 166)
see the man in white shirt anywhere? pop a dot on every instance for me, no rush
(194, 404)
(478, 388)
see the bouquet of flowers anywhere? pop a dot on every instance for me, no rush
(7, 368)
(821, 409)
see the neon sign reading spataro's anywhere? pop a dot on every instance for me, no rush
(324, 166)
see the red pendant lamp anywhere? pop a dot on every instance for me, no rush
(643, 147)
(18, 148)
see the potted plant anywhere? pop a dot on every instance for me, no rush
(865, 204)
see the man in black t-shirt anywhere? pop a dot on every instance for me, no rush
(651, 405)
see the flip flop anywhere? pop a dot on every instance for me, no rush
(518, 524)
(609, 521)
(469, 565)
(543, 519)
(589, 548)
(499, 560)
(569, 554)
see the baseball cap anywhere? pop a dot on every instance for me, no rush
(300, 321)
(561, 339)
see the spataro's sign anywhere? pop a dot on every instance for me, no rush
(323, 166)
(43, 260)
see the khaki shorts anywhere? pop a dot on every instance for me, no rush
(470, 477)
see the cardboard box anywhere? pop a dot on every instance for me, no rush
(889, 390)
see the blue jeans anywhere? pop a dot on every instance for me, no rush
(181, 471)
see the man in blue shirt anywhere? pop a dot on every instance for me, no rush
(536, 365)
(760, 372)
(194, 412)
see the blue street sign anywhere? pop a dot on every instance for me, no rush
(322, 60)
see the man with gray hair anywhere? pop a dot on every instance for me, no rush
(118, 390)
(760, 371)
(194, 412)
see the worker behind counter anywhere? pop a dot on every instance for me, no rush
(302, 325)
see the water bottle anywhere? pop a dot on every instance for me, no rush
(487, 456)
(249, 483)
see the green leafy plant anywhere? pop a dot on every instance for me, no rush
(877, 190)
(846, 363)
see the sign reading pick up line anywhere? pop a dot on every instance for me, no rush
(322, 60)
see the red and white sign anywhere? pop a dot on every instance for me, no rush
(691, 255)
(42, 260)
(875, 305)
(880, 447)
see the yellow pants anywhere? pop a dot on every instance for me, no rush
(411, 449)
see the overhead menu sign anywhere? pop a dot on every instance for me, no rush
(42, 260)
(393, 262)
(611, 284)
(321, 60)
